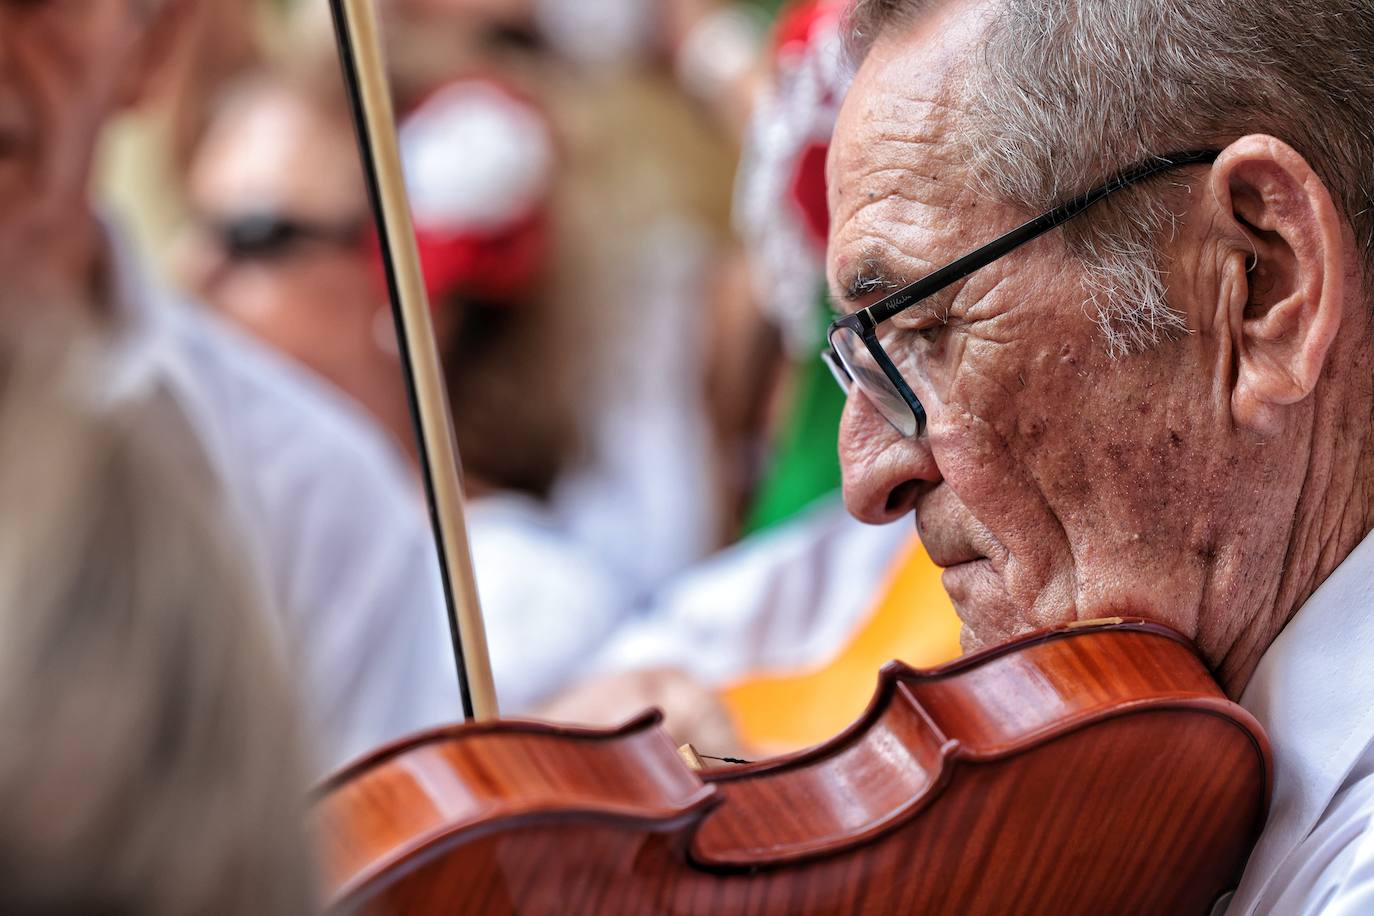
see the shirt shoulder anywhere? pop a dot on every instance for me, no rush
(279, 403)
(337, 521)
(783, 599)
(548, 601)
(1331, 872)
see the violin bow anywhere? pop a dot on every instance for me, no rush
(358, 31)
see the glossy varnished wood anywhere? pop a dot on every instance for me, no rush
(423, 798)
(1088, 770)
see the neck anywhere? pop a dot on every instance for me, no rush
(1333, 513)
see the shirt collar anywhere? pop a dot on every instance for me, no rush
(1314, 694)
(140, 345)
(148, 355)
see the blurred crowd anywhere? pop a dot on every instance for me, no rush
(620, 207)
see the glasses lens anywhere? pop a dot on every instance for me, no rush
(259, 237)
(837, 370)
(872, 380)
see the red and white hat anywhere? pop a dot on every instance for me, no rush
(479, 162)
(781, 210)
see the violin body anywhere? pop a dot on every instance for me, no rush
(1084, 770)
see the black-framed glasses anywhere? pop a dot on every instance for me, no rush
(857, 358)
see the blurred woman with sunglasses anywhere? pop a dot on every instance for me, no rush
(281, 246)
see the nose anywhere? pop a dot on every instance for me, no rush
(884, 472)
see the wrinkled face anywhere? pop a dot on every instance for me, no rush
(64, 66)
(1054, 481)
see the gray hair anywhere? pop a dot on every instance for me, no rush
(1067, 91)
(154, 765)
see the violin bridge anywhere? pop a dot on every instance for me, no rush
(690, 757)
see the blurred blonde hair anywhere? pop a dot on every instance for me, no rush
(150, 764)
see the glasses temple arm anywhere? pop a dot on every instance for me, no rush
(1003, 245)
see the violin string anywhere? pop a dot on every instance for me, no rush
(724, 759)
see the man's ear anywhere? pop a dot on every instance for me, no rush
(1282, 286)
(161, 43)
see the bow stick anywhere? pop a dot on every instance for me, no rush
(369, 94)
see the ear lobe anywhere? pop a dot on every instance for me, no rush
(1285, 309)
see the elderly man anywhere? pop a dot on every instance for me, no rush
(330, 521)
(1159, 403)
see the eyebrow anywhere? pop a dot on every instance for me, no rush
(871, 275)
(874, 274)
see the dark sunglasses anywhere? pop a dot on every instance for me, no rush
(273, 237)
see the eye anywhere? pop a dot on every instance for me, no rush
(930, 331)
(910, 333)
(926, 320)
(929, 324)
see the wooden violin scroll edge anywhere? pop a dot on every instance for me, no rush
(358, 33)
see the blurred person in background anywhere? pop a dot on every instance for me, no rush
(641, 226)
(328, 514)
(154, 766)
(641, 232)
(709, 47)
(281, 246)
(280, 237)
(639, 217)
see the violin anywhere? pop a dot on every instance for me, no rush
(1084, 770)
(1094, 768)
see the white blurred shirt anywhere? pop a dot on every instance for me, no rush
(642, 500)
(778, 601)
(1314, 694)
(548, 603)
(327, 511)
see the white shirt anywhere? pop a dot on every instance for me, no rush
(781, 600)
(1314, 694)
(328, 514)
(548, 602)
(639, 500)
